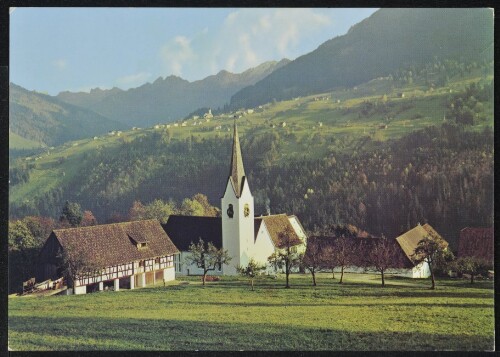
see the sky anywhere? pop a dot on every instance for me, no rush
(76, 49)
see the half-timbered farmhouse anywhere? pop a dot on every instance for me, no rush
(243, 234)
(119, 255)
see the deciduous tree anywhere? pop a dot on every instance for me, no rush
(314, 257)
(382, 255)
(429, 249)
(251, 270)
(207, 257)
(344, 254)
(88, 219)
(287, 256)
(471, 265)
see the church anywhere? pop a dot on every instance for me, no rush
(239, 231)
(139, 253)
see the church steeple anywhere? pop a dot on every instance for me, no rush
(237, 173)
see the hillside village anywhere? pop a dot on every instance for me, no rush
(144, 252)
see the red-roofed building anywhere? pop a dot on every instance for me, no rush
(476, 242)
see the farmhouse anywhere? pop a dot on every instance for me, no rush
(128, 254)
(476, 242)
(244, 235)
(409, 241)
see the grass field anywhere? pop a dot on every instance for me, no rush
(227, 315)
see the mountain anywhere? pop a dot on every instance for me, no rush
(83, 99)
(47, 120)
(170, 98)
(387, 41)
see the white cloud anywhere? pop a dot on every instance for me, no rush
(60, 63)
(246, 38)
(133, 80)
(177, 53)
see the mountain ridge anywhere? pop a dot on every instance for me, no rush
(170, 98)
(368, 51)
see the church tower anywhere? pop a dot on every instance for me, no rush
(237, 213)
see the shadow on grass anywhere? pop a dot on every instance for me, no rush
(62, 333)
(348, 288)
(322, 303)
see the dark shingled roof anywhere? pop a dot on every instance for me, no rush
(277, 224)
(237, 173)
(112, 244)
(476, 242)
(186, 229)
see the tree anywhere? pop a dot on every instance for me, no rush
(430, 250)
(40, 227)
(71, 213)
(209, 210)
(160, 210)
(287, 256)
(344, 253)
(76, 265)
(330, 259)
(314, 258)
(207, 257)
(382, 255)
(88, 219)
(191, 207)
(20, 236)
(251, 270)
(23, 249)
(137, 211)
(471, 265)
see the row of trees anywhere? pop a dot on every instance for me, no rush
(327, 253)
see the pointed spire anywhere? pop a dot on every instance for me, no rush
(237, 171)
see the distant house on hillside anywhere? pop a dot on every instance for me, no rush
(476, 242)
(124, 255)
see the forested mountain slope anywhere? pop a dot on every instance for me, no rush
(45, 119)
(387, 40)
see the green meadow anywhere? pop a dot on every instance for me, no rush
(227, 315)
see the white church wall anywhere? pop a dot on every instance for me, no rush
(421, 270)
(263, 247)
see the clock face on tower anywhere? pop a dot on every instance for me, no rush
(230, 211)
(246, 210)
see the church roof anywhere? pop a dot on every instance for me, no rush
(112, 244)
(278, 225)
(237, 173)
(186, 229)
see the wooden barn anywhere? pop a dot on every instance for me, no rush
(121, 255)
